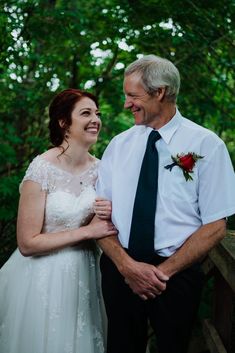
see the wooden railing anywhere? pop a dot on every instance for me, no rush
(219, 330)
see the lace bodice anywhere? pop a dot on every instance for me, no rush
(69, 200)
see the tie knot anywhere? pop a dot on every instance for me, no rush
(153, 137)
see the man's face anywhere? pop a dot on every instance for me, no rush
(144, 107)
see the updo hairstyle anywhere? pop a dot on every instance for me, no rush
(60, 110)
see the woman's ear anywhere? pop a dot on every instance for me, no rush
(62, 124)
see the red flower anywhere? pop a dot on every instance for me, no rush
(186, 162)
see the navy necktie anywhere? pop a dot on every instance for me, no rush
(141, 242)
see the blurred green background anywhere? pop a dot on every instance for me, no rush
(47, 46)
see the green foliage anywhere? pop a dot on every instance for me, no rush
(49, 45)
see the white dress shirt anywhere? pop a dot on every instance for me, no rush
(182, 206)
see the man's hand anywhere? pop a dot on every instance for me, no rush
(145, 280)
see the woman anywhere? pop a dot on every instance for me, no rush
(50, 299)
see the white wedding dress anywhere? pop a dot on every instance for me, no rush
(52, 303)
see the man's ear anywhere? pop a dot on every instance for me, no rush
(160, 94)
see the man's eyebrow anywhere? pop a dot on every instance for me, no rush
(130, 93)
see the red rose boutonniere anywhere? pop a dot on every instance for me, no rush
(186, 162)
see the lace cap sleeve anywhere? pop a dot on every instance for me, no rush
(37, 171)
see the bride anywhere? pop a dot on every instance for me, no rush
(50, 297)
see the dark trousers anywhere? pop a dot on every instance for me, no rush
(170, 314)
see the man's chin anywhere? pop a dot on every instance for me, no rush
(138, 121)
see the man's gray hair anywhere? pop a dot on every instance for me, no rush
(156, 72)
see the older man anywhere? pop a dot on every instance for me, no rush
(171, 183)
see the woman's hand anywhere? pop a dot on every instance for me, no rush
(99, 228)
(32, 241)
(102, 208)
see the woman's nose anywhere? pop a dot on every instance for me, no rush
(95, 118)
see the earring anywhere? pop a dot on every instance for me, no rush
(66, 135)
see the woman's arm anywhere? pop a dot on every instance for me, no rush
(30, 222)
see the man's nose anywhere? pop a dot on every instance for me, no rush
(128, 103)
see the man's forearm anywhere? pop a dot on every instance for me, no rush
(145, 280)
(195, 247)
(114, 250)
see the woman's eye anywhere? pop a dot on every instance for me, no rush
(86, 113)
(99, 115)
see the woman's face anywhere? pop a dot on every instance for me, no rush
(86, 123)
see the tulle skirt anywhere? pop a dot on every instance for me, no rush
(52, 303)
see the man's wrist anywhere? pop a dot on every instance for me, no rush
(166, 268)
(123, 262)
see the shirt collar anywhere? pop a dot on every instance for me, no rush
(167, 131)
